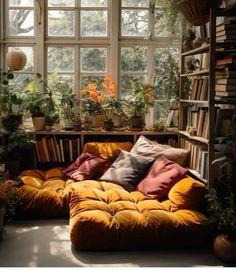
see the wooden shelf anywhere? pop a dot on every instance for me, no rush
(196, 73)
(203, 102)
(202, 49)
(195, 138)
(196, 174)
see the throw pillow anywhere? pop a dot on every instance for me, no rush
(127, 170)
(86, 166)
(145, 147)
(188, 194)
(161, 178)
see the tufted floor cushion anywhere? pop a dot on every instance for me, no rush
(104, 216)
(45, 193)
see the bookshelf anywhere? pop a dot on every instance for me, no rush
(60, 148)
(207, 110)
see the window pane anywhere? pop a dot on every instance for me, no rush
(135, 3)
(93, 3)
(166, 72)
(61, 3)
(134, 58)
(21, 3)
(93, 23)
(21, 22)
(93, 59)
(22, 80)
(60, 59)
(29, 67)
(60, 23)
(134, 23)
(127, 83)
(160, 24)
(69, 78)
(85, 80)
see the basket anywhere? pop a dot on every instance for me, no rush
(197, 12)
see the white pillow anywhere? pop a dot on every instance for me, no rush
(148, 148)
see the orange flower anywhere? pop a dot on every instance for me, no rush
(83, 91)
(92, 87)
(106, 79)
(93, 95)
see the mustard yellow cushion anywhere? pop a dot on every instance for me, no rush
(108, 151)
(188, 194)
(32, 181)
(37, 173)
(54, 173)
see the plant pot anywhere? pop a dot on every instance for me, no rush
(197, 12)
(225, 248)
(108, 125)
(48, 127)
(68, 124)
(98, 120)
(11, 122)
(38, 123)
(137, 122)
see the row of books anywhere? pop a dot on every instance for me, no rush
(199, 89)
(198, 119)
(198, 156)
(57, 149)
(173, 118)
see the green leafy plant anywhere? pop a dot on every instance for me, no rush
(10, 99)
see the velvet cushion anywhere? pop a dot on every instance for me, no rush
(161, 178)
(107, 150)
(32, 181)
(86, 166)
(149, 148)
(127, 170)
(188, 194)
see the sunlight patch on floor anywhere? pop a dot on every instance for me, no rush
(24, 230)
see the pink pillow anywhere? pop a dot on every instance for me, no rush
(86, 166)
(163, 175)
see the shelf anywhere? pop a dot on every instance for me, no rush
(195, 138)
(202, 102)
(196, 73)
(196, 174)
(202, 49)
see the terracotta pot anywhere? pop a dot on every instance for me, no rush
(38, 123)
(225, 248)
(108, 125)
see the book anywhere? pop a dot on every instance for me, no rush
(226, 37)
(225, 32)
(230, 59)
(223, 120)
(225, 87)
(226, 94)
(226, 81)
(225, 27)
(225, 73)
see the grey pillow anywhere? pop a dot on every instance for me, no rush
(128, 170)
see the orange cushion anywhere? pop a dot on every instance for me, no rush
(32, 181)
(107, 150)
(188, 194)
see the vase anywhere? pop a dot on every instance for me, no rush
(225, 248)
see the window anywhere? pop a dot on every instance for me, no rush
(85, 40)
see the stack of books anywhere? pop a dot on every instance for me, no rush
(226, 61)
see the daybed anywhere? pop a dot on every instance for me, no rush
(110, 215)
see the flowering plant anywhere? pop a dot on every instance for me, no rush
(9, 195)
(99, 98)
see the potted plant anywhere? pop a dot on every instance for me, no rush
(222, 202)
(15, 153)
(67, 103)
(10, 102)
(138, 104)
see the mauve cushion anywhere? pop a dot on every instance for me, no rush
(163, 175)
(127, 170)
(86, 166)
